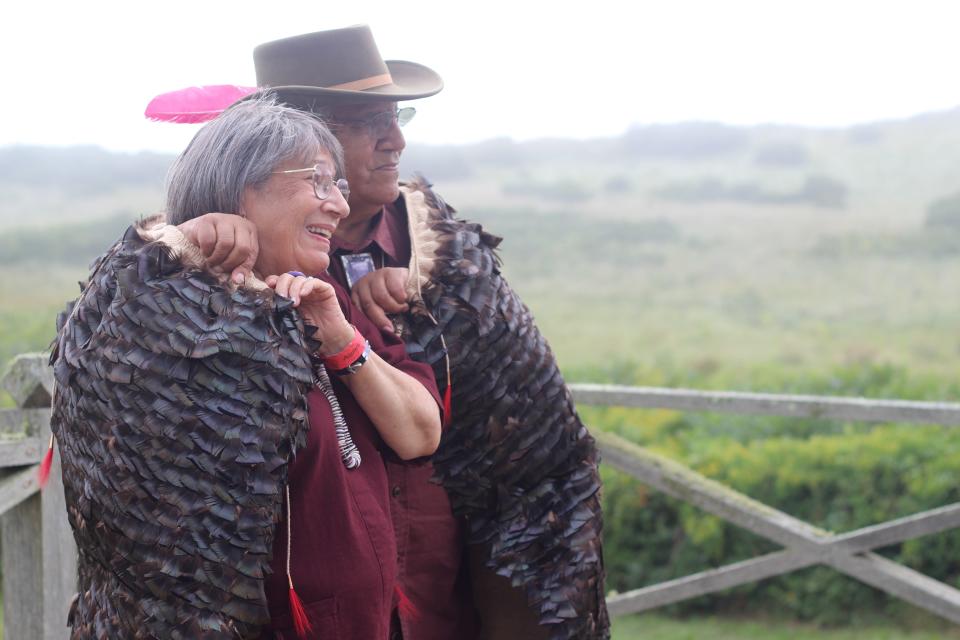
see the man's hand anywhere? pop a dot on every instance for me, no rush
(228, 242)
(381, 292)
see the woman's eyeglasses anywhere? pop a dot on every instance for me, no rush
(323, 182)
(379, 124)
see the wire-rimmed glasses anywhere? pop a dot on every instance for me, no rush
(378, 124)
(323, 182)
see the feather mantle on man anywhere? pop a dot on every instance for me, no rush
(179, 403)
(516, 461)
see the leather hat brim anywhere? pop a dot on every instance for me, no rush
(410, 81)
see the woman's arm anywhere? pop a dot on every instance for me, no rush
(401, 409)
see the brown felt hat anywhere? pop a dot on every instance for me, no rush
(339, 65)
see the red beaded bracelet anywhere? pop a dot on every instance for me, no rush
(348, 355)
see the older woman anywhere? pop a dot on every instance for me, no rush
(180, 403)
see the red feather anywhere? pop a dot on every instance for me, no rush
(44, 472)
(447, 405)
(405, 608)
(195, 104)
(301, 623)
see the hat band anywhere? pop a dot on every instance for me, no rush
(365, 83)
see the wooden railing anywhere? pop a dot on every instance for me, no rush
(39, 556)
(804, 544)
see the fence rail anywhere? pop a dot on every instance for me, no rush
(804, 544)
(770, 404)
(39, 556)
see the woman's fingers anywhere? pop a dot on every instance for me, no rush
(317, 302)
(298, 287)
(281, 284)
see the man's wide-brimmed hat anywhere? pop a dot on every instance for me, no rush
(339, 65)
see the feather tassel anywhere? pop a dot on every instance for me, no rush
(447, 404)
(405, 608)
(43, 474)
(301, 624)
(448, 392)
(195, 104)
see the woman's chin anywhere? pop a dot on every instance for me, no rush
(313, 267)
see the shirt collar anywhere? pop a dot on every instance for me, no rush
(386, 226)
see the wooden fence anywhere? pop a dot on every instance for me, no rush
(803, 544)
(39, 557)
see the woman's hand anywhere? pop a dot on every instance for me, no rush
(317, 302)
(381, 292)
(401, 409)
(228, 242)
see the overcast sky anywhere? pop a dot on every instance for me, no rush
(82, 72)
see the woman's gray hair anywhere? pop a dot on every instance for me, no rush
(240, 149)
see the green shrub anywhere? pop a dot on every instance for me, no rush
(840, 482)
(838, 476)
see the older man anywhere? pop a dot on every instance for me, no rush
(516, 463)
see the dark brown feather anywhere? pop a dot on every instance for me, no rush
(178, 406)
(516, 461)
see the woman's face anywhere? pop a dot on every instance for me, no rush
(294, 226)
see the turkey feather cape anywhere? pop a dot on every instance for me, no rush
(179, 402)
(516, 460)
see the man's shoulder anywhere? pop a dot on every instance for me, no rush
(419, 184)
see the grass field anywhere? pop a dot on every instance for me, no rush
(659, 627)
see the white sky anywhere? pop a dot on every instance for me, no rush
(81, 72)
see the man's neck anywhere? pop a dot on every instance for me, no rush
(353, 229)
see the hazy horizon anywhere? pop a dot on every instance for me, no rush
(519, 71)
(782, 125)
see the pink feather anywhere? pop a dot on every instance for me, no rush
(195, 104)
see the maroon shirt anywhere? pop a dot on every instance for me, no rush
(344, 555)
(431, 550)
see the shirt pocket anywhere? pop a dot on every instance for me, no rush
(323, 618)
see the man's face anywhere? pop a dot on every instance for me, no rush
(371, 153)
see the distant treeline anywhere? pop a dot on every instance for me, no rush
(692, 162)
(80, 171)
(816, 190)
(74, 244)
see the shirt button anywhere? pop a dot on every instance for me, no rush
(396, 491)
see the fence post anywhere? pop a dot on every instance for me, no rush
(39, 554)
(22, 570)
(59, 558)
